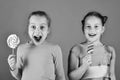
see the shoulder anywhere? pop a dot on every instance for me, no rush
(56, 50)
(21, 48)
(76, 49)
(111, 50)
(54, 46)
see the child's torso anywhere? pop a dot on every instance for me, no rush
(100, 56)
(38, 63)
(100, 61)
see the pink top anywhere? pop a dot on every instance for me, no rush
(43, 62)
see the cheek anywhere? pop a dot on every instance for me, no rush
(86, 31)
(99, 31)
(30, 32)
(86, 34)
(45, 33)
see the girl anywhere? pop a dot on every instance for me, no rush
(92, 60)
(37, 59)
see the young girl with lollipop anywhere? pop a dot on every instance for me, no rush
(92, 60)
(37, 59)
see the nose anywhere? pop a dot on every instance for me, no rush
(37, 32)
(92, 30)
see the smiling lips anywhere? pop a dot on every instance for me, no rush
(92, 35)
(37, 38)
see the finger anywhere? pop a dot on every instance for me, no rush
(12, 64)
(89, 58)
(85, 59)
(11, 56)
(89, 55)
(12, 60)
(90, 62)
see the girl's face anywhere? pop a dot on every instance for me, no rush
(38, 29)
(93, 28)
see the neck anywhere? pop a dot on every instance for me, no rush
(96, 42)
(37, 44)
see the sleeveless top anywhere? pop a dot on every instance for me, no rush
(101, 57)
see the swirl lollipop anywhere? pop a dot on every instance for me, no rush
(13, 41)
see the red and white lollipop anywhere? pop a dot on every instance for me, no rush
(13, 41)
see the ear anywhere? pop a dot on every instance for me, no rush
(103, 29)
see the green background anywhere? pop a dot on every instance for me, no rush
(66, 30)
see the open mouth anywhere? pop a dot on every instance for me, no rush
(37, 38)
(92, 35)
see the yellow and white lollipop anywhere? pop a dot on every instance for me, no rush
(13, 41)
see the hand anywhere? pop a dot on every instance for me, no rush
(11, 61)
(87, 60)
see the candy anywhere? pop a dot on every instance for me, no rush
(13, 40)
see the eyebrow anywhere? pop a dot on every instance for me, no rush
(32, 23)
(95, 24)
(42, 23)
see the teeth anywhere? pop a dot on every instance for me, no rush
(92, 34)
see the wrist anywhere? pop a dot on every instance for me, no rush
(85, 65)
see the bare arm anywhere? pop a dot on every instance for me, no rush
(17, 71)
(74, 71)
(112, 64)
(59, 70)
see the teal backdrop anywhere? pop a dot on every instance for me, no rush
(66, 30)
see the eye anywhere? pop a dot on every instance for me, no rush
(42, 27)
(33, 27)
(88, 27)
(96, 26)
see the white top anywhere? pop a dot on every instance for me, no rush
(96, 71)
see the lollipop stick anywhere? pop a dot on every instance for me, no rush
(13, 52)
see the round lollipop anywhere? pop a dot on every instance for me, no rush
(13, 41)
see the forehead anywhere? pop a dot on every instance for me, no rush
(93, 19)
(37, 19)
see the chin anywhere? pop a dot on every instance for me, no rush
(92, 40)
(37, 43)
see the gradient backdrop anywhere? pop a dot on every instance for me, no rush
(66, 18)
